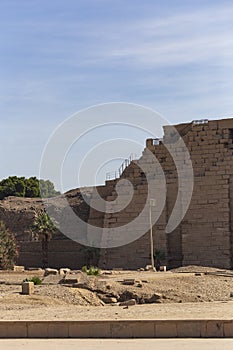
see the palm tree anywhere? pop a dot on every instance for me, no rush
(44, 227)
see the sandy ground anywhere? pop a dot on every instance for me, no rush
(182, 293)
(116, 344)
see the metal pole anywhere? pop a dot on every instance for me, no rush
(151, 239)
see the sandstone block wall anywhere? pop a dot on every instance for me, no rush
(65, 253)
(204, 236)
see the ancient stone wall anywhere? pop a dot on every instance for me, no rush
(60, 254)
(204, 236)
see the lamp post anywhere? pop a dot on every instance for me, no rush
(152, 204)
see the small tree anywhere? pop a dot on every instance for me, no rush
(8, 248)
(44, 227)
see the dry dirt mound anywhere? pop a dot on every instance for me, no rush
(183, 285)
(196, 269)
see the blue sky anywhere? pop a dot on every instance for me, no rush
(57, 57)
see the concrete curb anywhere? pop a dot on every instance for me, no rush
(118, 329)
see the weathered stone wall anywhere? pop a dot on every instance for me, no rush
(204, 237)
(60, 254)
(18, 214)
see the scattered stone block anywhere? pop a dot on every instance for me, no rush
(19, 268)
(27, 288)
(129, 302)
(80, 285)
(107, 272)
(128, 281)
(64, 271)
(149, 268)
(155, 298)
(35, 269)
(107, 299)
(49, 271)
(163, 268)
(69, 279)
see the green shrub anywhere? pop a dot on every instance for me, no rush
(84, 269)
(36, 280)
(92, 271)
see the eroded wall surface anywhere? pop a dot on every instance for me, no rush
(204, 236)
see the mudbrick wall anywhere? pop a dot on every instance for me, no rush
(204, 236)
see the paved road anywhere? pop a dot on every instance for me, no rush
(137, 344)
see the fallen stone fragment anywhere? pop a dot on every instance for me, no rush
(129, 302)
(128, 281)
(27, 288)
(36, 269)
(80, 285)
(64, 271)
(149, 268)
(70, 279)
(49, 271)
(115, 304)
(163, 268)
(108, 300)
(19, 268)
(155, 298)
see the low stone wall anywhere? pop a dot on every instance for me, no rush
(62, 253)
(118, 329)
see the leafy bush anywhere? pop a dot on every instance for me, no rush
(8, 248)
(92, 271)
(84, 269)
(36, 280)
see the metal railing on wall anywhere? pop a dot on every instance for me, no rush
(117, 173)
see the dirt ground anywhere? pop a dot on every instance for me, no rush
(192, 284)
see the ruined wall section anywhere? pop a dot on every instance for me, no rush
(204, 236)
(18, 214)
(136, 253)
(206, 228)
